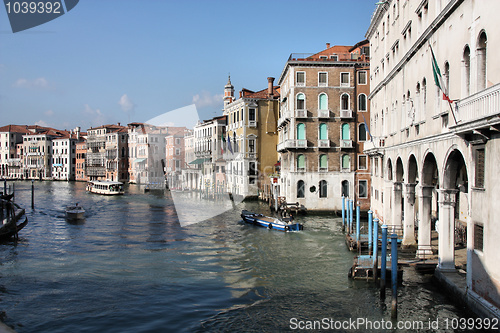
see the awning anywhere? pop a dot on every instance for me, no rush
(199, 161)
(139, 160)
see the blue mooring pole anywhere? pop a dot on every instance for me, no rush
(394, 271)
(358, 227)
(375, 248)
(343, 212)
(383, 262)
(351, 213)
(370, 225)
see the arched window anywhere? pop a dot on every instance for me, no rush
(323, 101)
(362, 132)
(361, 102)
(424, 90)
(323, 132)
(301, 162)
(301, 131)
(235, 144)
(481, 61)
(446, 75)
(466, 64)
(345, 132)
(344, 102)
(323, 162)
(301, 101)
(346, 163)
(323, 189)
(301, 189)
(345, 188)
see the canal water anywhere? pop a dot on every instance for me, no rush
(130, 267)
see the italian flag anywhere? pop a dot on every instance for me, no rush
(438, 79)
(222, 143)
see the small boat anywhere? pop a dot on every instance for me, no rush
(13, 219)
(75, 212)
(105, 187)
(270, 222)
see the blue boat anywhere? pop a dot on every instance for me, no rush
(270, 222)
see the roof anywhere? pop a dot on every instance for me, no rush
(15, 129)
(261, 94)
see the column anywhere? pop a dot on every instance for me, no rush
(409, 215)
(396, 203)
(424, 221)
(446, 228)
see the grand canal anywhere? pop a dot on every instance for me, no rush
(130, 267)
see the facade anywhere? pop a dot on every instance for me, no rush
(321, 127)
(10, 160)
(433, 159)
(37, 153)
(252, 136)
(117, 155)
(191, 173)
(174, 158)
(81, 154)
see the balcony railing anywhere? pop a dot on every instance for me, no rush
(482, 104)
(300, 113)
(323, 113)
(290, 144)
(252, 123)
(345, 113)
(284, 116)
(345, 143)
(324, 143)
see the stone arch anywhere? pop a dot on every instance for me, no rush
(455, 170)
(429, 172)
(389, 169)
(482, 40)
(399, 170)
(412, 169)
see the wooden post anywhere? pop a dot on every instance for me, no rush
(370, 225)
(394, 278)
(383, 262)
(375, 248)
(32, 194)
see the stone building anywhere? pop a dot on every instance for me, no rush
(10, 161)
(433, 158)
(251, 139)
(64, 155)
(81, 153)
(322, 129)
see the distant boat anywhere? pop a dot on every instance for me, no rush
(13, 219)
(75, 212)
(270, 222)
(105, 187)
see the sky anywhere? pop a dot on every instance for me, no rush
(110, 61)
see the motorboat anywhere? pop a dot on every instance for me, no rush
(75, 212)
(270, 222)
(105, 187)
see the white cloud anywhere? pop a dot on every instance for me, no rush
(42, 123)
(94, 116)
(126, 103)
(49, 113)
(205, 99)
(39, 83)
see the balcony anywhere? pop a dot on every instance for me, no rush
(300, 113)
(284, 117)
(345, 114)
(476, 107)
(345, 143)
(323, 113)
(324, 143)
(252, 123)
(291, 144)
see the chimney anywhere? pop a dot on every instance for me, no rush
(77, 131)
(270, 81)
(327, 45)
(118, 124)
(241, 93)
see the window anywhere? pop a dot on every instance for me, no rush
(345, 188)
(251, 114)
(466, 61)
(344, 79)
(323, 162)
(362, 162)
(362, 102)
(479, 167)
(345, 132)
(362, 77)
(344, 102)
(300, 189)
(301, 101)
(301, 131)
(323, 131)
(323, 101)
(362, 132)
(323, 189)
(322, 79)
(301, 79)
(478, 237)
(334, 57)
(481, 62)
(345, 162)
(363, 189)
(251, 145)
(301, 162)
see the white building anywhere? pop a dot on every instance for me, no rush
(64, 156)
(10, 162)
(429, 158)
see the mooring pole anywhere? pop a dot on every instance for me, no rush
(351, 213)
(394, 278)
(383, 262)
(343, 213)
(358, 227)
(32, 194)
(348, 216)
(370, 225)
(375, 248)
(5, 186)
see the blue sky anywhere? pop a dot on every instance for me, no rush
(109, 61)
